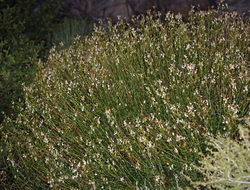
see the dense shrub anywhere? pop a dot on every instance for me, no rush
(130, 107)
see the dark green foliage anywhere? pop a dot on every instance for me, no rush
(22, 40)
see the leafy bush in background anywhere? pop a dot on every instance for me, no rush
(130, 107)
(15, 55)
(23, 34)
(25, 37)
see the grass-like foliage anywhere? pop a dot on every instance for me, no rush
(65, 32)
(131, 106)
(228, 165)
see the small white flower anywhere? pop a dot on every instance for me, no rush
(175, 149)
(45, 140)
(157, 178)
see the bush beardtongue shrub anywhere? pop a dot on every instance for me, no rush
(132, 108)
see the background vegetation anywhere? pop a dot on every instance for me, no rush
(22, 37)
(25, 37)
(130, 107)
